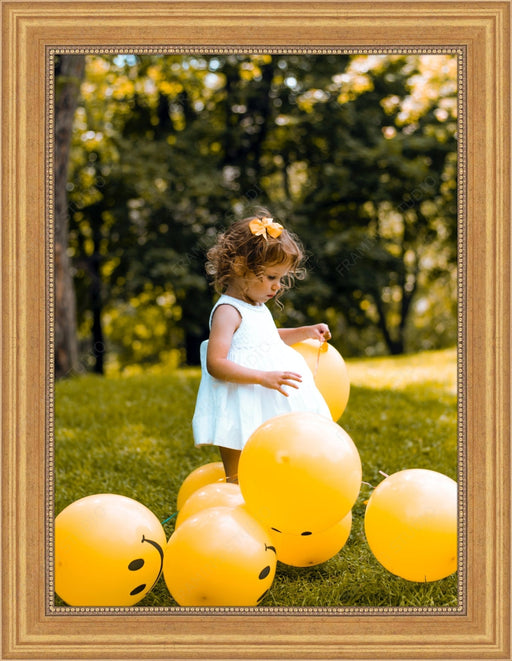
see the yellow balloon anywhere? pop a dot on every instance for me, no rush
(329, 372)
(411, 524)
(220, 556)
(108, 551)
(207, 474)
(299, 472)
(217, 494)
(313, 549)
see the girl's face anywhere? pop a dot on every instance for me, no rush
(260, 289)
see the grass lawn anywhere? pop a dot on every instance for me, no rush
(132, 436)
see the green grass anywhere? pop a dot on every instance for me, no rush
(132, 436)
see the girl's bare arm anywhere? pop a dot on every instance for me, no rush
(294, 335)
(225, 322)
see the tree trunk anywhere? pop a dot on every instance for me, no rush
(68, 76)
(98, 343)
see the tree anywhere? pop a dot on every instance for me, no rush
(69, 71)
(375, 202)
(167, 150)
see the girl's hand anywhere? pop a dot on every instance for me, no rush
(320, 332)
(276, 380)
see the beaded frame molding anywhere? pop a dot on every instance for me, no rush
(459, 53)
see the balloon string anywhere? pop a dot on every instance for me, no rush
(171, 517)
(317, 359)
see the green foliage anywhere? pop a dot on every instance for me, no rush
(356, 154)
(132, 436)
(142, 330)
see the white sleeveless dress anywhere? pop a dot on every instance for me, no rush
(227, 413)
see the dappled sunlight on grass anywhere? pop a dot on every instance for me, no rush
(430, 368)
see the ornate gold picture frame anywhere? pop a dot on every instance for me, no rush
(479, 32)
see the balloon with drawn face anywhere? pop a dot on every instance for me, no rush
(220, 556)
(108, 551)
(299, 472)
(310, 549)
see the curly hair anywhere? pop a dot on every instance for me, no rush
(239, 253)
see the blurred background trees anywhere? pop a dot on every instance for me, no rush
(356, 154)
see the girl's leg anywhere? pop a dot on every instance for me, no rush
(230, 459)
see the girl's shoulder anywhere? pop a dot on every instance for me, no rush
(243, 308)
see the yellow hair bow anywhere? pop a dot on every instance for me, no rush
(264, 226)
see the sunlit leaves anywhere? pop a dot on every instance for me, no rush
(355, 153)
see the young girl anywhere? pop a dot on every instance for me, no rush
(250, 373)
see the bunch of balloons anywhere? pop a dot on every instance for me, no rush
(411, 517)
(110, 550)
(299, 476)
